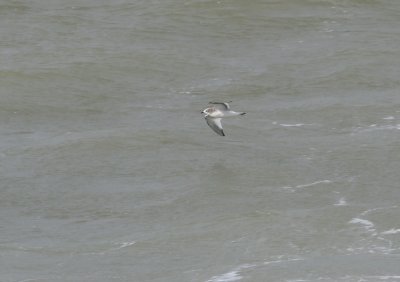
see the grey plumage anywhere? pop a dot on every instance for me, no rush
(214, 114)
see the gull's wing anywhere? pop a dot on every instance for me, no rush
(221, 106)
(215, 124)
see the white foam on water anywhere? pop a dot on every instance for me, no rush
(351, 278)
(374, 246)
(289, 189)
(368, 225)
(280, 261)
(230, 276)
(388, 118)
(391, 231)
(233, 275)
(272, 261)
(124, 245)
(384, 277)
(341, 202)
(292, 188)
(313, 183)
(374, 127)
(377, 209)
(292, 125)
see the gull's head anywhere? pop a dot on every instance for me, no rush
(208, 111)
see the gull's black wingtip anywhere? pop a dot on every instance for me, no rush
(242, 114)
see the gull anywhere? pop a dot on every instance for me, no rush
(217, 111)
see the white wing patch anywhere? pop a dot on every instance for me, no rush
(215, 124)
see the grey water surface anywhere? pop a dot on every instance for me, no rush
(108, 171)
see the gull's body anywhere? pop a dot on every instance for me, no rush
(214, 114)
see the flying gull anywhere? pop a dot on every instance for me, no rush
(214, 114)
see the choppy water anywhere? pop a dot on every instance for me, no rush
(109, 172)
